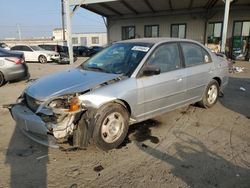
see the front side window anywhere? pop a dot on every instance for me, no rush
(35, 48)
(166, 57)
(152, 31)
(178, 31)
(214, 32)
(26, 48)
(120, 58)
(128, 32)
(193, 54)
(49, 47)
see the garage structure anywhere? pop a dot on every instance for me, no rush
(222, 24)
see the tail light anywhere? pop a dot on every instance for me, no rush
(17, 61)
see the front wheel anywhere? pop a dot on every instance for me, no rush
(42, 59)
(211, 94)
(111, 126)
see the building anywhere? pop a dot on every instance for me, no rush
(83, 39)
(200, 20)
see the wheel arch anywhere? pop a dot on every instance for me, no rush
(39, 55)
(218, 79)
(118, 101)
(125, 104)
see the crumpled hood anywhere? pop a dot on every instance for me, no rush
(67, 82)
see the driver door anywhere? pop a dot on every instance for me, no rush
(165, 91)
(28, 54)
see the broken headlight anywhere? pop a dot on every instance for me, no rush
(69, 104)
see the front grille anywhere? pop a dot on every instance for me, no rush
(32, 103)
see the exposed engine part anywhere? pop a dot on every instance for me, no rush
(63, 128)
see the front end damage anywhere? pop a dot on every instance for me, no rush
(56, 113)
(50, 122)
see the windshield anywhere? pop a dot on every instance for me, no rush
(36, 48)
(120, 58)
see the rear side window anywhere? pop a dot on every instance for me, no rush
(193, 54)
(48, 47)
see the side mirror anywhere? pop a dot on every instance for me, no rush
(150, 70)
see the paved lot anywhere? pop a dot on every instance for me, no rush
(189, 147)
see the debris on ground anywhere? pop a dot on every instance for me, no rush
(73, 171)
(31, 80)
(74, 185)
(68, 149)
(242, 89)
(144, 145)
(238, 69)
(98, 168)
(41, 157)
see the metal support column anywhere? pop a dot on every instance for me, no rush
(69, 33)
(63, 25)
(225, 24)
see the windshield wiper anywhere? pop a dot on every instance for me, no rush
(96, 68)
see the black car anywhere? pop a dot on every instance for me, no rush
(12, 66)
(94, 50)
(80, 50)
(62, 50)
(3, 45)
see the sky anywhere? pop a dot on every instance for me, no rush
(37, 18)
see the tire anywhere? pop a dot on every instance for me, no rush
(210, 95)
(111, 126)
(42, 59)
(81, 135)
(2, 80)
(84, 54)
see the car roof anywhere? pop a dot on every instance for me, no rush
(156, 40)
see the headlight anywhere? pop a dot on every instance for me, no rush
(74, 105)
(66, 104)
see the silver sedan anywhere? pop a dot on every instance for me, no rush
(12, 66)
(126, 83)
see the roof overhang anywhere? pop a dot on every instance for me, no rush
(130, 8)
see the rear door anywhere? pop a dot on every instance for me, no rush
(163, 92)
(199, 70)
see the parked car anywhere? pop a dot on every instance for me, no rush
(126, 83)
(36, 53)
(62, 50)
(80, 50)
(5, 46)
(12, 66)
(94, 50)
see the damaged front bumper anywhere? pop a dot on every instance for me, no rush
(32, 126)
(36, 128)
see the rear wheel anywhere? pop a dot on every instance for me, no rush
(111, 126)
(2, 80)
(211, 94)
(42, 59)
